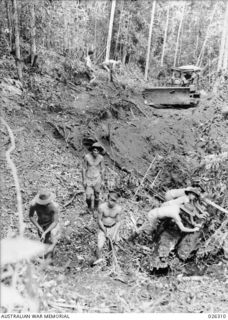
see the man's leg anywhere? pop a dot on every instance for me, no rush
(55, 235)
(89, 193)
(100, 244)
(97, 190)
(96, 200)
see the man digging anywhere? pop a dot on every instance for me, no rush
(93, 176)
(172, 209)
(47, 223)
(108, 223)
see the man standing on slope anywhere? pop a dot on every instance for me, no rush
(109, 223)
(93, 176)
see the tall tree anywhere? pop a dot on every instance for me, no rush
(200, 58)
(119, 29)
(33, 31)
(17, 39)
(178, 35)
(109, 39)
(149, 39)
(165, 36)
(222, 61)
(9, 22)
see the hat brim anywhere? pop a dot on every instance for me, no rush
(100, 148)
(187, 192)
(46, 201)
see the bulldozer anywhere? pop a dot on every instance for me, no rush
(180, 91)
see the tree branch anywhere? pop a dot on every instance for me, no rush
(15, 177)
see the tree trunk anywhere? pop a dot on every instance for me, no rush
(33, 31)
(17, 39)
(200, 58)
(149, 39)
(109, 40)
(124, 48)
(95, 39)
(119, 28)
(65, 16)
(165, 36)
(225, 59)
(223, 40)
(178, 36)
(9, 22)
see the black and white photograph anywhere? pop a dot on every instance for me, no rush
(114, 158)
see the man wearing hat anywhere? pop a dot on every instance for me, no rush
(47, 223)
(172, 209)
(108, 222)
(93, 175)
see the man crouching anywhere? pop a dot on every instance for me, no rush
(47, 223)
(108, 222)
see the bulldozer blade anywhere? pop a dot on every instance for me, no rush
(164, 97)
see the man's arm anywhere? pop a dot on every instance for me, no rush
(54, 223)
(106, 66)
(118, 222)
(100, 223)
(84, 169)
(102, 169)
(33, 219)
(182, 227)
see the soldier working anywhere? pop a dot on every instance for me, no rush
(93, 176)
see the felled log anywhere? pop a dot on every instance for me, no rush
(216, 206)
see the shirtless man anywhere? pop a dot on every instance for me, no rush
(110, 66)
(172, 209)
(93, 176)
(47, 223)
(108, 222)
(90, 67)
(177, 193)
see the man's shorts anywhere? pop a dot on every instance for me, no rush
(113, 234)
(52, 236)
(93, 186)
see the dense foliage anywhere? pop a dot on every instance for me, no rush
(71, 28)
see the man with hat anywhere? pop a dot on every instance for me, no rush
(192, 205)
(47, 223)
(172, 209)
(108, 222)
(93, 175)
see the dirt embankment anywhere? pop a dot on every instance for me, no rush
(132, 133)
(53, 125)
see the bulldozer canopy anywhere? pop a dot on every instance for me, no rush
(187, 68)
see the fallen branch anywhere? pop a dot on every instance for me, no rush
(15, 177)
(215, 205)
(194, 278)
(115, 261)
(137, 107)
(153, 183)
(147, 171)
(214, 235)
(72, 199)
(62, 305)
